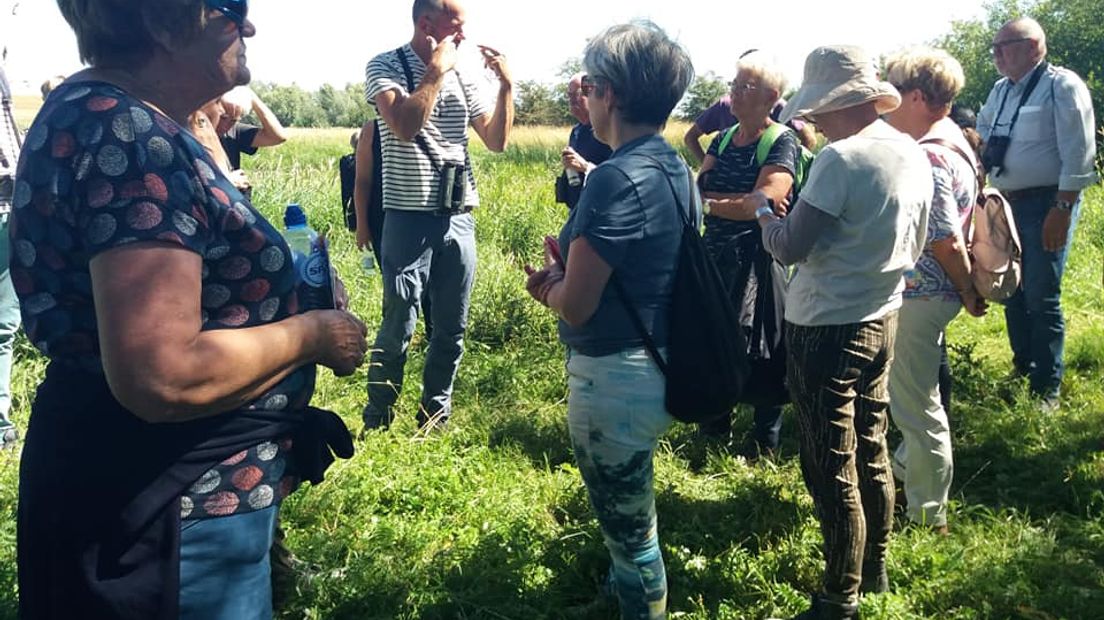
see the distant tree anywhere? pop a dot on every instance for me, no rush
(703, 92)
(343, 108)
(570, 67)
(540, 104)
(291, 104)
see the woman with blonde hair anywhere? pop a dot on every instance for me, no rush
(938, 286)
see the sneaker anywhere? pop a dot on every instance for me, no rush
(1050, 404)
(824, 609)
(9, 436)
(753, 452)
(432, 425)
(374, 419)
(717, 429)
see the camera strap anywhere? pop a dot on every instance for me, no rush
(419, 139)
(1023, 98)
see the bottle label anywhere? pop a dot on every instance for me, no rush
(316, 270)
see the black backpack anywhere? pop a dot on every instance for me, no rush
(347, 169)
(706, 366)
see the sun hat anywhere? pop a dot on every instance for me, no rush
(838, 77)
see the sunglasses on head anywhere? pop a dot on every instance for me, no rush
(234, 10)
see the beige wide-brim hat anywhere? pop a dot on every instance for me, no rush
(838, 77)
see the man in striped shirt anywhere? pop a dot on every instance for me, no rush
(427, 104)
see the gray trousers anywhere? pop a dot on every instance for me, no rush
(424, 251)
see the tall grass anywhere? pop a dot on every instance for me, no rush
(490, 520)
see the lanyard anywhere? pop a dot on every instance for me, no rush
(1023, 98)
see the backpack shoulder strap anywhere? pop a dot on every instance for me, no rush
(767, 140)
(687, 218)
(406, 69)
(727, 137)
(976, 166)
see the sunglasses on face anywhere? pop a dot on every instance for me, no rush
(587, 84)
(234, 10)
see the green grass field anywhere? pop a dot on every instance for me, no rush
(490, 520)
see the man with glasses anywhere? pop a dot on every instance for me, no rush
(427, 103)
(1037, 125)
(583, 151)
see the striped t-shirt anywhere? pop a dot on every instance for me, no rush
(409, 176)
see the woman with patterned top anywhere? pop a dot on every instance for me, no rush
(174, 416)
(938, 286)
(739, 162)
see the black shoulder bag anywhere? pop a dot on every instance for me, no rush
(706, 366)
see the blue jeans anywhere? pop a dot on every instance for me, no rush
(9, 322)
(423, 251)
(615, 414)
(1036, 329)
(224, 567)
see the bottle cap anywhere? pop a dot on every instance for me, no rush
(294, 216)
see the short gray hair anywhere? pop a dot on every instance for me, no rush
(423, 7)
(647, 69)
(765, 67)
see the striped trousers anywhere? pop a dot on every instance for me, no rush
(838, 377)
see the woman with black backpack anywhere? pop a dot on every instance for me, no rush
(624, 232)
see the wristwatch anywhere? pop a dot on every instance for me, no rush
(1063, 205)
(761, 211)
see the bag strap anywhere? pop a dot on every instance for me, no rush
(622, 294)
(1027, 93)
(419, 139)
(726, 138)
(979, 175)
(766, 141)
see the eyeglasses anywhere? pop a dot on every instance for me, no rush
(998, 46)
(735, 88)
(234, 10)
(587, 84)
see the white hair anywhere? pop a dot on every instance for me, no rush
(765, 67)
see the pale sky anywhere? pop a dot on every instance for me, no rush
(311, 43)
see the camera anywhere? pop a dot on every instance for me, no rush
(452, 188)
(992, 156)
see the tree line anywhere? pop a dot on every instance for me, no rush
(1075, 38)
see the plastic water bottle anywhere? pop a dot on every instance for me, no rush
(574, 179)
(368, 260)
(311, 260)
